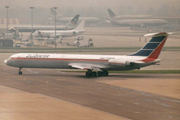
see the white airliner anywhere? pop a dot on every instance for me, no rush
(60, 33)
(27, 28)
(134, 21)
(96, 65)
(61, 19)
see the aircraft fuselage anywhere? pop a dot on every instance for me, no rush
(62, 61)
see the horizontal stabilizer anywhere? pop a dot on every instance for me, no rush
(158, 34)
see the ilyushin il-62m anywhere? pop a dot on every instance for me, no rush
(96, 65)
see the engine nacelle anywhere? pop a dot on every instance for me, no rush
(120, 62)
(75, 32)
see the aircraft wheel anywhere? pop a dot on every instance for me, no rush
(105, 73)
(88, 74)
(100, 73)
(94, 74)
(20, 73)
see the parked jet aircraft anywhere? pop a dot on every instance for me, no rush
(71, 25)
(94, 64)
(89, 20)
(132, 22)
(61, 33)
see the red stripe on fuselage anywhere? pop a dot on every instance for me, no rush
(153, 56)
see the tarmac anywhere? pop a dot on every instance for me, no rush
(52, 94)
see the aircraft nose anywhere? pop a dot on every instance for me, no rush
(5, 61)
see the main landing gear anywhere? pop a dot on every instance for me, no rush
(20, 72)
(90, 73)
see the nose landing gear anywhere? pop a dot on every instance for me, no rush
(20, 72)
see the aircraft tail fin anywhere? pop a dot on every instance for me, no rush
(73, 22)
(153, 48)
(53, 12)
(80, 27)
(111, 13)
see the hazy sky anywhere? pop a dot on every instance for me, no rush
(20, 8)
(88, 3)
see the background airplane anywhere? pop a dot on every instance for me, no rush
(89, 20)
(61, 33)
(27, 28)
(96, 65)
(136, 21)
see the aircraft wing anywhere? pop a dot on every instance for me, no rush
(85, 66)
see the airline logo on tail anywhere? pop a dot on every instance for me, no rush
(74, 21)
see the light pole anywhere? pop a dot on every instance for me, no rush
(7, 19)
(31, 25)
(55, 25)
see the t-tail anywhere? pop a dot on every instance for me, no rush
(153, 48)
(111, 13)
(73, 22)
